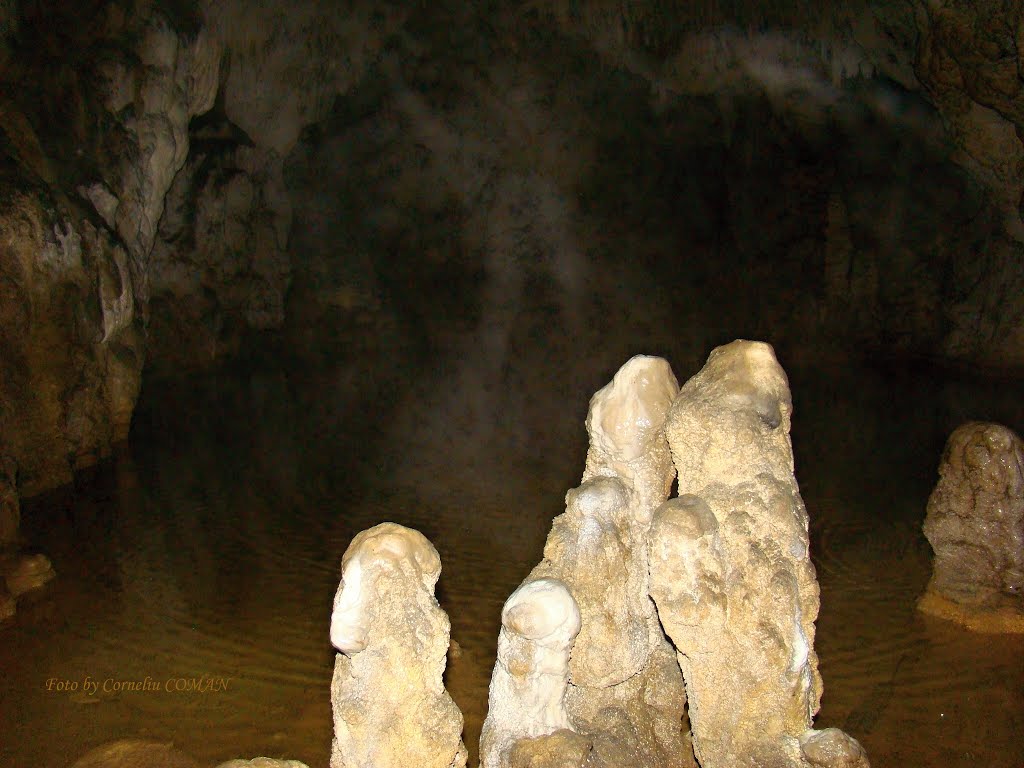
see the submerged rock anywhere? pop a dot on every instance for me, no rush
(730, 571)
(7, 605)
(391, 709)
(975, 524)
(135, 753)
(24, 573)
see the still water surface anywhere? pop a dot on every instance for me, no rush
(209, 548)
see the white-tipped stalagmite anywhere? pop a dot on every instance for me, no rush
(391, 709)
(539, 623)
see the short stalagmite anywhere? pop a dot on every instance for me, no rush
(975, 524)
(391, 709)
(526, 719)
(730, 572)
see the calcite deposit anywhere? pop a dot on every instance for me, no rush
(625, 692)
(975, 524)
(526, 720)
(730, 570)
(391, 709)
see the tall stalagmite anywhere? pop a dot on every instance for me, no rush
(731, 573)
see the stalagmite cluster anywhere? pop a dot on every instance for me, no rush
(640, 602)
(975, 524)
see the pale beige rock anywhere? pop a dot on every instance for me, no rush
(391, 709)
(831, 748)
(730, 571)
(561, 749)
(539, 623)
(24, 573)
(595, 549)
(263, 762)
(975, 524)
(625, 691)
(625, 424)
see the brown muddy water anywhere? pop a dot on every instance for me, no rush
(202, 561)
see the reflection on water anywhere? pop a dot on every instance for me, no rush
(205, 558)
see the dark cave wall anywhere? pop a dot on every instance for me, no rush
(485, 191)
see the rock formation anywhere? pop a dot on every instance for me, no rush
(263, 762)
(975, 524)
(730, 570)
(135, 753)
(19, 575)
(93, 150)
(527, 723)
(10, 515)
(391, 709)
(7, 605)
(24, 573)
(625, 692)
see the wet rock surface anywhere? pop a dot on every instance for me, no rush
(25, 573)
(975, 525)
(10, 507)
(527, 721)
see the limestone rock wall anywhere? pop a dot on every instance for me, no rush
(71, 341)
(324, 177)
(93, 143)
(129, 230)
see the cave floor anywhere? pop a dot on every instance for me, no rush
(204, 556)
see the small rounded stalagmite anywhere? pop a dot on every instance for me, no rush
(975, 524)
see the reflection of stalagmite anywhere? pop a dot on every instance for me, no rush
(526, 704)
(390, 706)
(731, 575)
